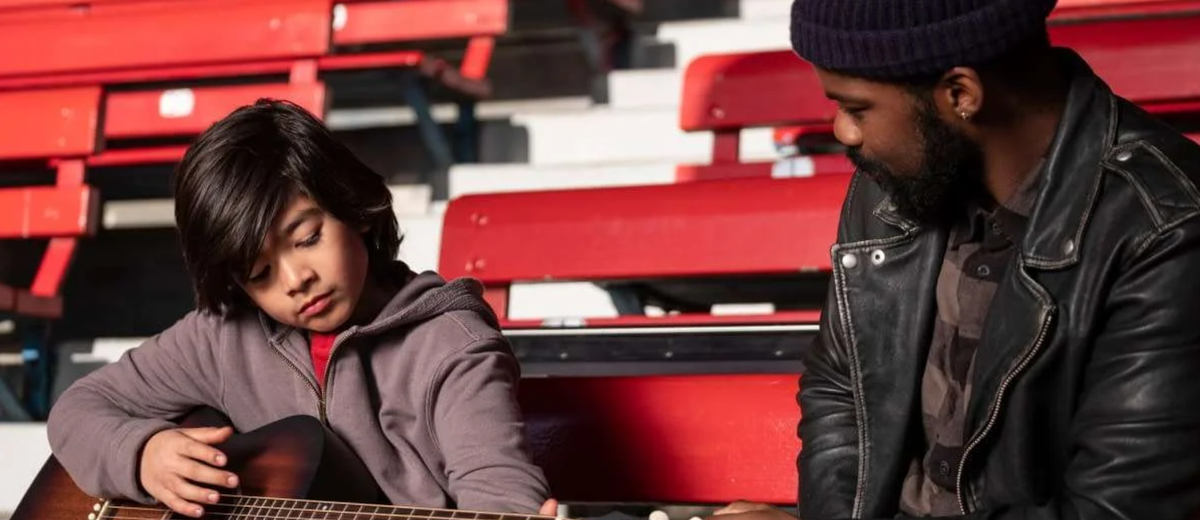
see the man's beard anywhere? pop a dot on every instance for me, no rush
(949, 174)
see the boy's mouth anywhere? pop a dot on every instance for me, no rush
(315, 305)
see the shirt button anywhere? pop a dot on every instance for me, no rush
(983, 270)
(944, 468)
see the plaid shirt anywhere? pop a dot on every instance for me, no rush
(979, 251)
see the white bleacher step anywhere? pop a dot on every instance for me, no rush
(608, 135)
(471, 179)
(764, 9)
(25, 449)
(646, 88)
(422, 245)
(159, 213)
(383, 117)
(697, 38)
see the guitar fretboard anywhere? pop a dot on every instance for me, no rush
(239, 507)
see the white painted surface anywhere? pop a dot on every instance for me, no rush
(696, 38)
(764, 9)
(656, 88)
(469, 179)
(23, 450)
(608, 136)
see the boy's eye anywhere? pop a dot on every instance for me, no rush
(259, 276)
(312, 239)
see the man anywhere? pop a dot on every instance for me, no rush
(1013, 323)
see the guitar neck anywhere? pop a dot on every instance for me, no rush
(235, 507)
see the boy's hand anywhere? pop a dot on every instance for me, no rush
(742, 510)
(549, 508)
(174, 461)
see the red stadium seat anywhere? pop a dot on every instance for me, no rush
(1150, 61)
(690, 440)
(95, 81)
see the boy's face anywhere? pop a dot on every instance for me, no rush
(311, 271)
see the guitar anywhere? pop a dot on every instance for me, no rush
(290, 469)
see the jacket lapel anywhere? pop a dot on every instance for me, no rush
(885, 297)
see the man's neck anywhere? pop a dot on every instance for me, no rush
(1013, 149)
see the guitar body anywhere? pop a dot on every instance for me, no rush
(294, 458)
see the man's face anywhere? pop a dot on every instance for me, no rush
(927, 166)
(311, 270)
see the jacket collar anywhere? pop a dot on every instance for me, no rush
(1070, 176)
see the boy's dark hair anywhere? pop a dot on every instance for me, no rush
(238, 176)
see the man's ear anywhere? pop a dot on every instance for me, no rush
(959, 94)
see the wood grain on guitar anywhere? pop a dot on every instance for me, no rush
(290, 469)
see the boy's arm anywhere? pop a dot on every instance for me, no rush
(477, 423)
(98, 426)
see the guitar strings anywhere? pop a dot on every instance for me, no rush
(269, 510)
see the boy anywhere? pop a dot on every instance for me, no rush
(290, 241)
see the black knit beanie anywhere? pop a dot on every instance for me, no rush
(900, 39)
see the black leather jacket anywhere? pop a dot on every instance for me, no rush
(1086, 395)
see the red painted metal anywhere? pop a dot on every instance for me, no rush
(675, 439)
(52, 123)
(1076, 10)
(497, 299)
(680, 320)
(477, 57)
(46, 211)
(191, 111)
(160, 155)
(184, 73)
(53, 268)
(376, 60)
(747, 226)
(1150, 61)
(825, 164)
(417, 20)
(167, 34)
(732, 91)
(32, 305)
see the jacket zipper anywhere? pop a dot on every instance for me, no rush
(325, 384)
(1047, 317)
(316, 391)
(353, 331)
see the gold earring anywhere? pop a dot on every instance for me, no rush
(964, 115)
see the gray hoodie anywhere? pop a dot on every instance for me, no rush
(441, 429)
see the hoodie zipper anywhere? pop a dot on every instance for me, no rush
(1047, 318)
(316, 391)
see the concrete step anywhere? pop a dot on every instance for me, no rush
(344, 119)
(764, 9)
(470, 179)
(694, 39)
(648, 88)
(407, 200)
(606, 135)
(25, 450)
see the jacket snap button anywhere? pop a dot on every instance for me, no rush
(850, 261)
(877, 257)
(1069, 247)
(1124, 156)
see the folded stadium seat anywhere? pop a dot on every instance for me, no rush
(666, 439)
(1149, 60)
(684, 248)
(130, 82)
